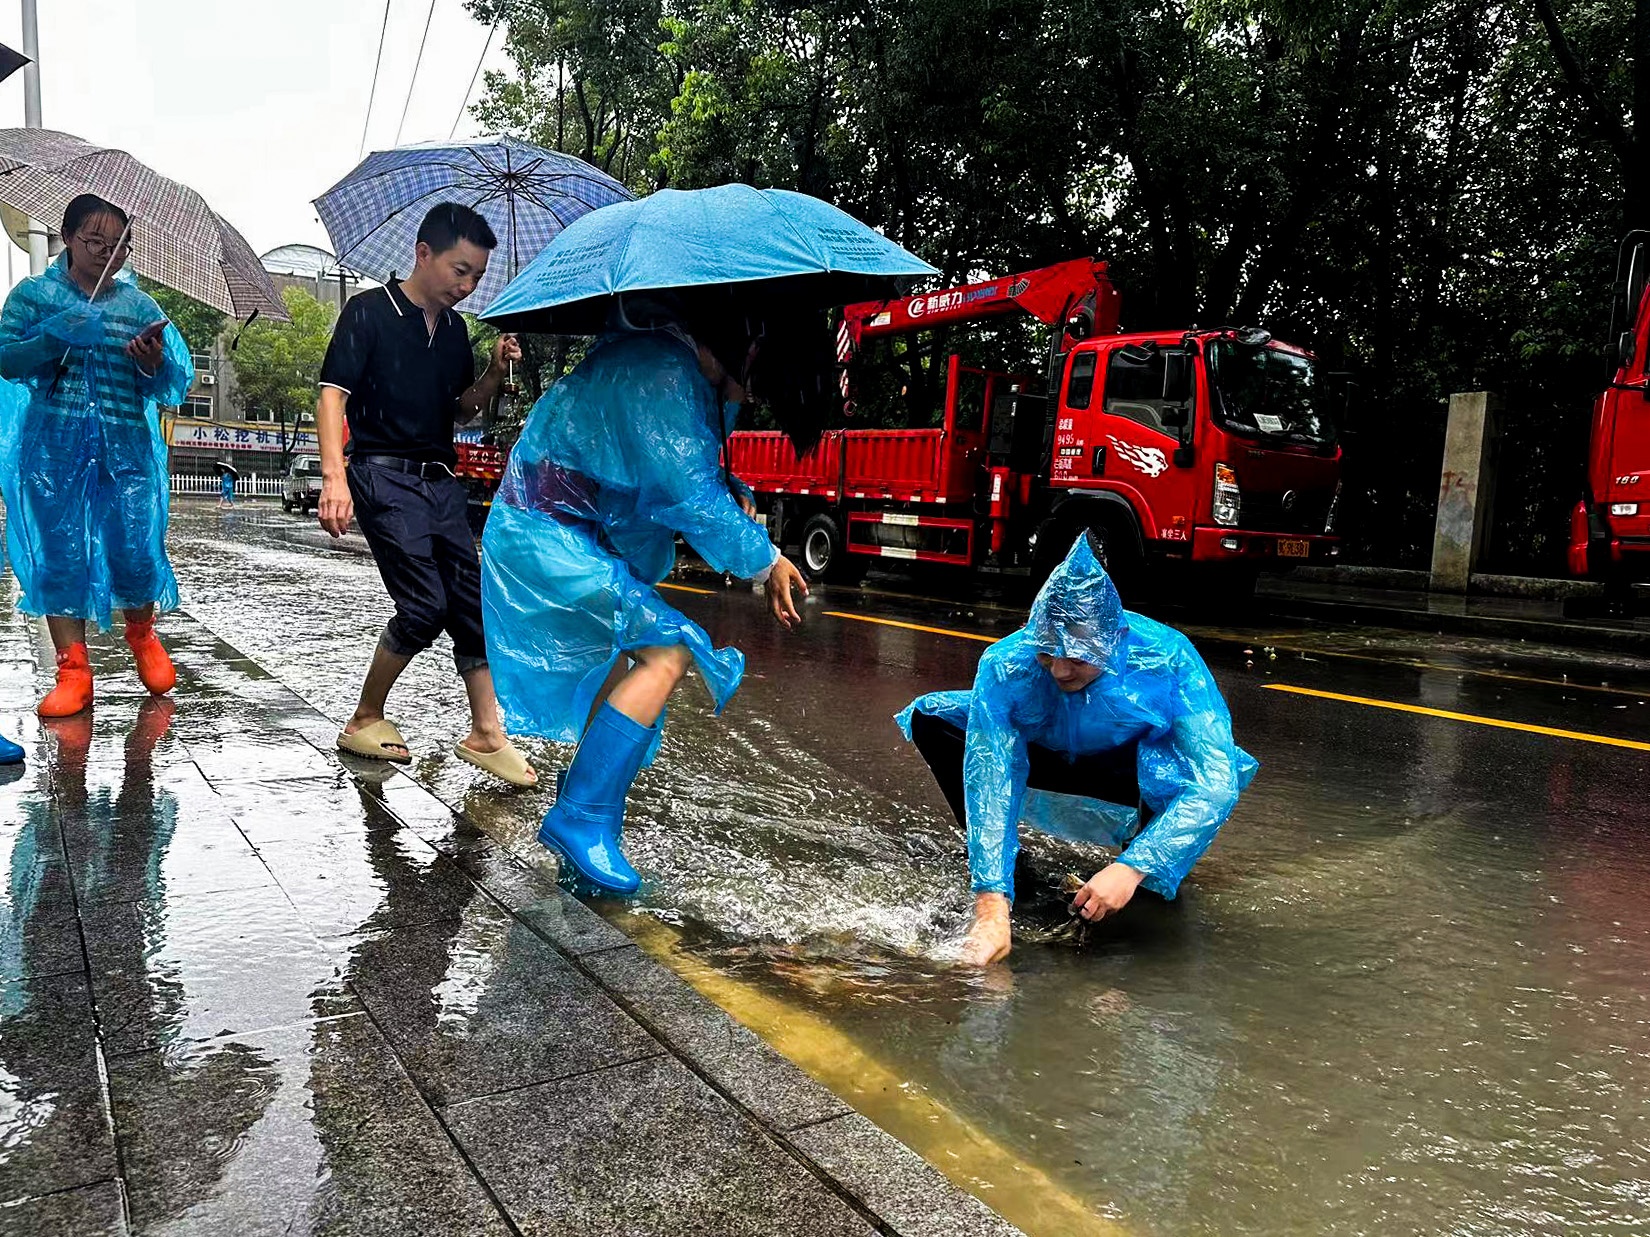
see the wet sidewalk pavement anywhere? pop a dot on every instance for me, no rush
(245, 988)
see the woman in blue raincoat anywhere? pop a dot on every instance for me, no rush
(617, 459)
(1091, 722)
(87, 359)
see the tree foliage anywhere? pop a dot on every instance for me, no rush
(278, 364)
(199, 323)
(1426, 192)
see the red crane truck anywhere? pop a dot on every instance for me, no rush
(1208, 448)
(1610, 526)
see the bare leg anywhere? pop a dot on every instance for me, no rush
(641, 694)
(486, 734)
(66, 631)
(615, 676)
(135, 616)
(385, 669)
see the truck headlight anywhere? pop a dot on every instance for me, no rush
(1228, 498)
(1334, 504)
(1624, 508)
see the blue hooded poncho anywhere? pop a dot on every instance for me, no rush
(1153, 689)
(82, 457)
(617, 458)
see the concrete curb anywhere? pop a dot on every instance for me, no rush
(1621, 639)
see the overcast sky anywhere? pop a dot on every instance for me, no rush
(256, 104)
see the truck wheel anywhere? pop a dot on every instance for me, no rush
(825, 553)
(1054, 542)
(286, 505)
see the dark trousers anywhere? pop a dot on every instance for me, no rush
(1111, 776)
(419, 533)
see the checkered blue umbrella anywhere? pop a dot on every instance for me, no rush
(526, 193)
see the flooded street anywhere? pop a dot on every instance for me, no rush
(1405, 992)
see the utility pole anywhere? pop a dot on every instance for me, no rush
(31, 120)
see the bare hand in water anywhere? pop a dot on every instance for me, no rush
(1106, 892)
(990, 939)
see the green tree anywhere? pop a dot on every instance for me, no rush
(589, 80)
(199, 323)
(278, 364)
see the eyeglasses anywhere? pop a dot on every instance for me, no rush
(98, 247)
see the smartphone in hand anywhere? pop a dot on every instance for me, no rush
(151, 333)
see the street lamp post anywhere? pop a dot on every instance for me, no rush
(31, 120)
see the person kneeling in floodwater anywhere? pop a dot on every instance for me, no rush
(1086, 706)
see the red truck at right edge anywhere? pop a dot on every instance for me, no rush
(1610, 525)
(1208, 451)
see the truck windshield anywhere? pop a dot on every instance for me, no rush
(306, 466)
(1268, 393)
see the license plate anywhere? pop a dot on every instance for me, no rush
(1294, 549)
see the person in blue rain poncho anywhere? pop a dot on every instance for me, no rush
(1091, 722)
(616, 459)
(82, 458)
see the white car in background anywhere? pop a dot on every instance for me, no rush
(303, 485)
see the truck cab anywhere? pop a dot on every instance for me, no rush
(1610, 525)
(1210, 447)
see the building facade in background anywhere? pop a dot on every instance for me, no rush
(211, 425)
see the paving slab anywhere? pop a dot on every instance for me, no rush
(343, 882)
(480, 1003)
(54, 1125)
(537, 900)
(175, 969)
(904, 1189)
(257, 757)
(329, 1136)
(39, 926)
(641, 1149)
(733, 1057)
(90, 1211)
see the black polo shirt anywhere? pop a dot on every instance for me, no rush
(402, 379)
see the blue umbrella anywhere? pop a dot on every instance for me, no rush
(777, 245)
(527, 194)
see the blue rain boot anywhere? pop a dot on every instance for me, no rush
(10, 753)
(584, 825)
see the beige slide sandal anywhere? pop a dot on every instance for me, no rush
(375, 742)
(507, 763)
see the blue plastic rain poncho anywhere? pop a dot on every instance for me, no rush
(1153, 689)
(82, 458)
(617, 458)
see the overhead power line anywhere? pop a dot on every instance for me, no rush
(464, 102)
(416, 63)
(372, 94)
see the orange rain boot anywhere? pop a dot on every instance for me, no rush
(73, 692)
(154, 667)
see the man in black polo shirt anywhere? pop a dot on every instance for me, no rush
(400, 369)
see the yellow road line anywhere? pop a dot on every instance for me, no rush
(936, 631)
(688, 588)
(1284, 644)
(1498, 723)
